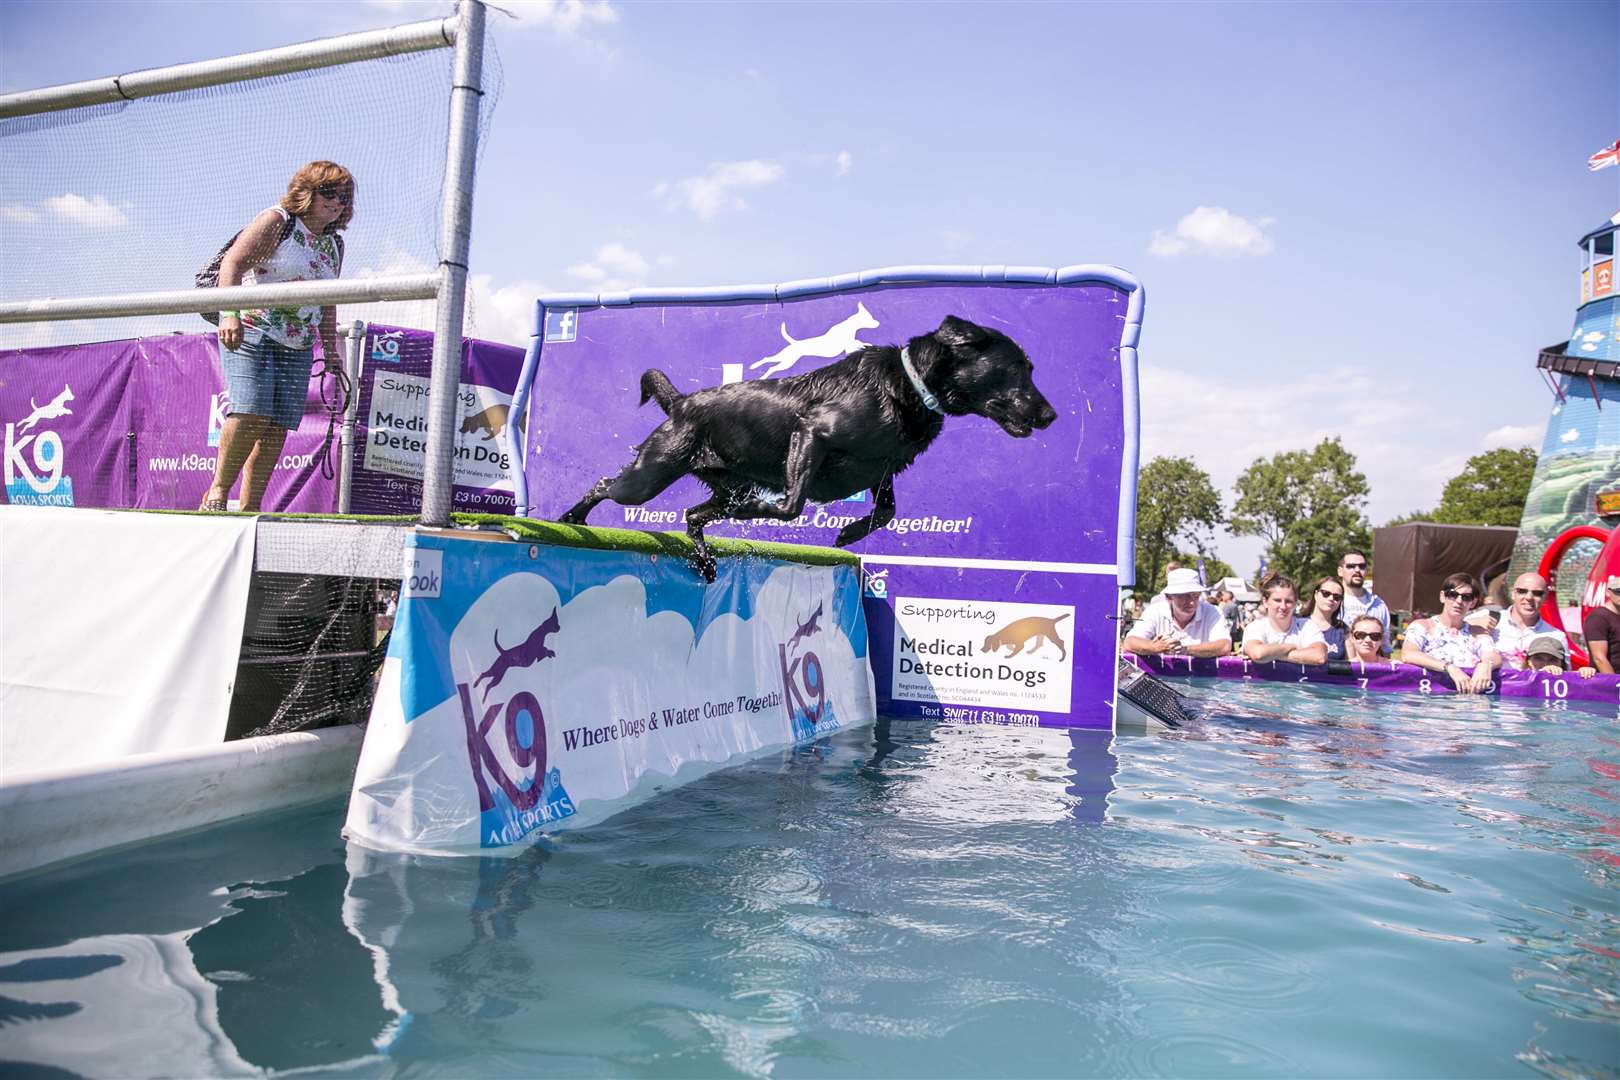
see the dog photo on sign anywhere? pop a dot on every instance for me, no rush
(847, 427)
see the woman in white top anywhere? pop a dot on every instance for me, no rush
(266, 355)
(1446, 643)
(1279, 634)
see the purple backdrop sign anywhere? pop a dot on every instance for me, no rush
(136, 423)
(990, 595)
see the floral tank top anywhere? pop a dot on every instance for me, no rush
(301, 257)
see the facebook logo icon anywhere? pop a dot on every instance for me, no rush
(561, 324)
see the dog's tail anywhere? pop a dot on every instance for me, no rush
(1060, 618)
(656, 385)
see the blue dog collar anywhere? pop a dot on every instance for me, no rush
(928, 398)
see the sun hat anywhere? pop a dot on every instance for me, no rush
(1182, 581)
(1546, 645)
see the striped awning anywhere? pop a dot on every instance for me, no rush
(1554, 358)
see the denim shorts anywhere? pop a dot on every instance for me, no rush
(266, 378)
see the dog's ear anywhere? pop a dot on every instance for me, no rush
(954, 331)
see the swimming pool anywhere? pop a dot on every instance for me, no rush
(1306, 882)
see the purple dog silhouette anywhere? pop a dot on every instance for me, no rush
(532, 651)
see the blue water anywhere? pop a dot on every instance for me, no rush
(1306, 882)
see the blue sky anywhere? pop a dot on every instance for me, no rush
(1350, 219)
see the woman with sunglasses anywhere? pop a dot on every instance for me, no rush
(1447, 644)
(267, 353)
(1279, 634)
(1327, 615)
(1365, 642)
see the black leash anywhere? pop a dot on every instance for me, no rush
(337, 404)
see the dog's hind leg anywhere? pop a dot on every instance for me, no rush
(660, 461)
(882, 513)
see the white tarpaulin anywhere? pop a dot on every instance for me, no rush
(119, 632)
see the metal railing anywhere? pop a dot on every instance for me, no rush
(447, 286)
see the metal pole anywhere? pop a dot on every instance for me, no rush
(455, 230)
(305, 56)
(191, 301)
(351, 368)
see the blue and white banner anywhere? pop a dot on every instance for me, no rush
(530, 688)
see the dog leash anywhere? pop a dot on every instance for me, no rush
(336, 405)
(923, 392)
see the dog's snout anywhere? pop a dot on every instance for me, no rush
(1046, 415)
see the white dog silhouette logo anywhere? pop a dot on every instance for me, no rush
(57, 407)
(838, 341)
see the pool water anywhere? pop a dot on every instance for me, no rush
(1305, 882)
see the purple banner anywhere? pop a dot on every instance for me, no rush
(136, 423)
(989, 595)
(1388, 677)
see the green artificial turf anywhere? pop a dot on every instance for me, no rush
(533, 531)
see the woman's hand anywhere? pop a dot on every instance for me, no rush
(230, 331)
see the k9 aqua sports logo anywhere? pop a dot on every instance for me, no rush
(35, 460)
(804, 682)
(506, 745)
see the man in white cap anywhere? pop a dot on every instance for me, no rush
(1182, 622)
(1602, 629)
(1548, 654)
(1523, 620)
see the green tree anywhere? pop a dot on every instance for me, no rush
(1176, 504)
(1409, 519)
(1306, 505)
(1490, 490)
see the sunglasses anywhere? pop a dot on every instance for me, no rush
(336, 194)
(1355, 566)
(1453, 594)
(1537, 593)
(1328, 594)
(1366, 635)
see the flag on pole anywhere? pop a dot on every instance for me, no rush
(1609, 155)
(1262, 568)
(1201, 580)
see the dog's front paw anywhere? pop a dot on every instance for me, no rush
(849, 534)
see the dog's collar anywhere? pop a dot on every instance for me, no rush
(923, 392)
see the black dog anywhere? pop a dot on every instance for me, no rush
(843, 428)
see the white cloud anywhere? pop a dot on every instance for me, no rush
(614, 268)
(494, 312)
(844, 161)
(18, 215)
(1513, 436)
(716, 190)
(93, 213)
(1214, 230)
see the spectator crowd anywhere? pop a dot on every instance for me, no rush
(1340, 619)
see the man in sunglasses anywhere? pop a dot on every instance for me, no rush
(1523, 620)
(1602, 629)
(1358, 599)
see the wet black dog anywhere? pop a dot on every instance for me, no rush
(825, 435)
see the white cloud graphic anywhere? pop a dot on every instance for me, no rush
(18, 215)
(845, 161)
(1214, 230)
(717, 190)
(1569, 436)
